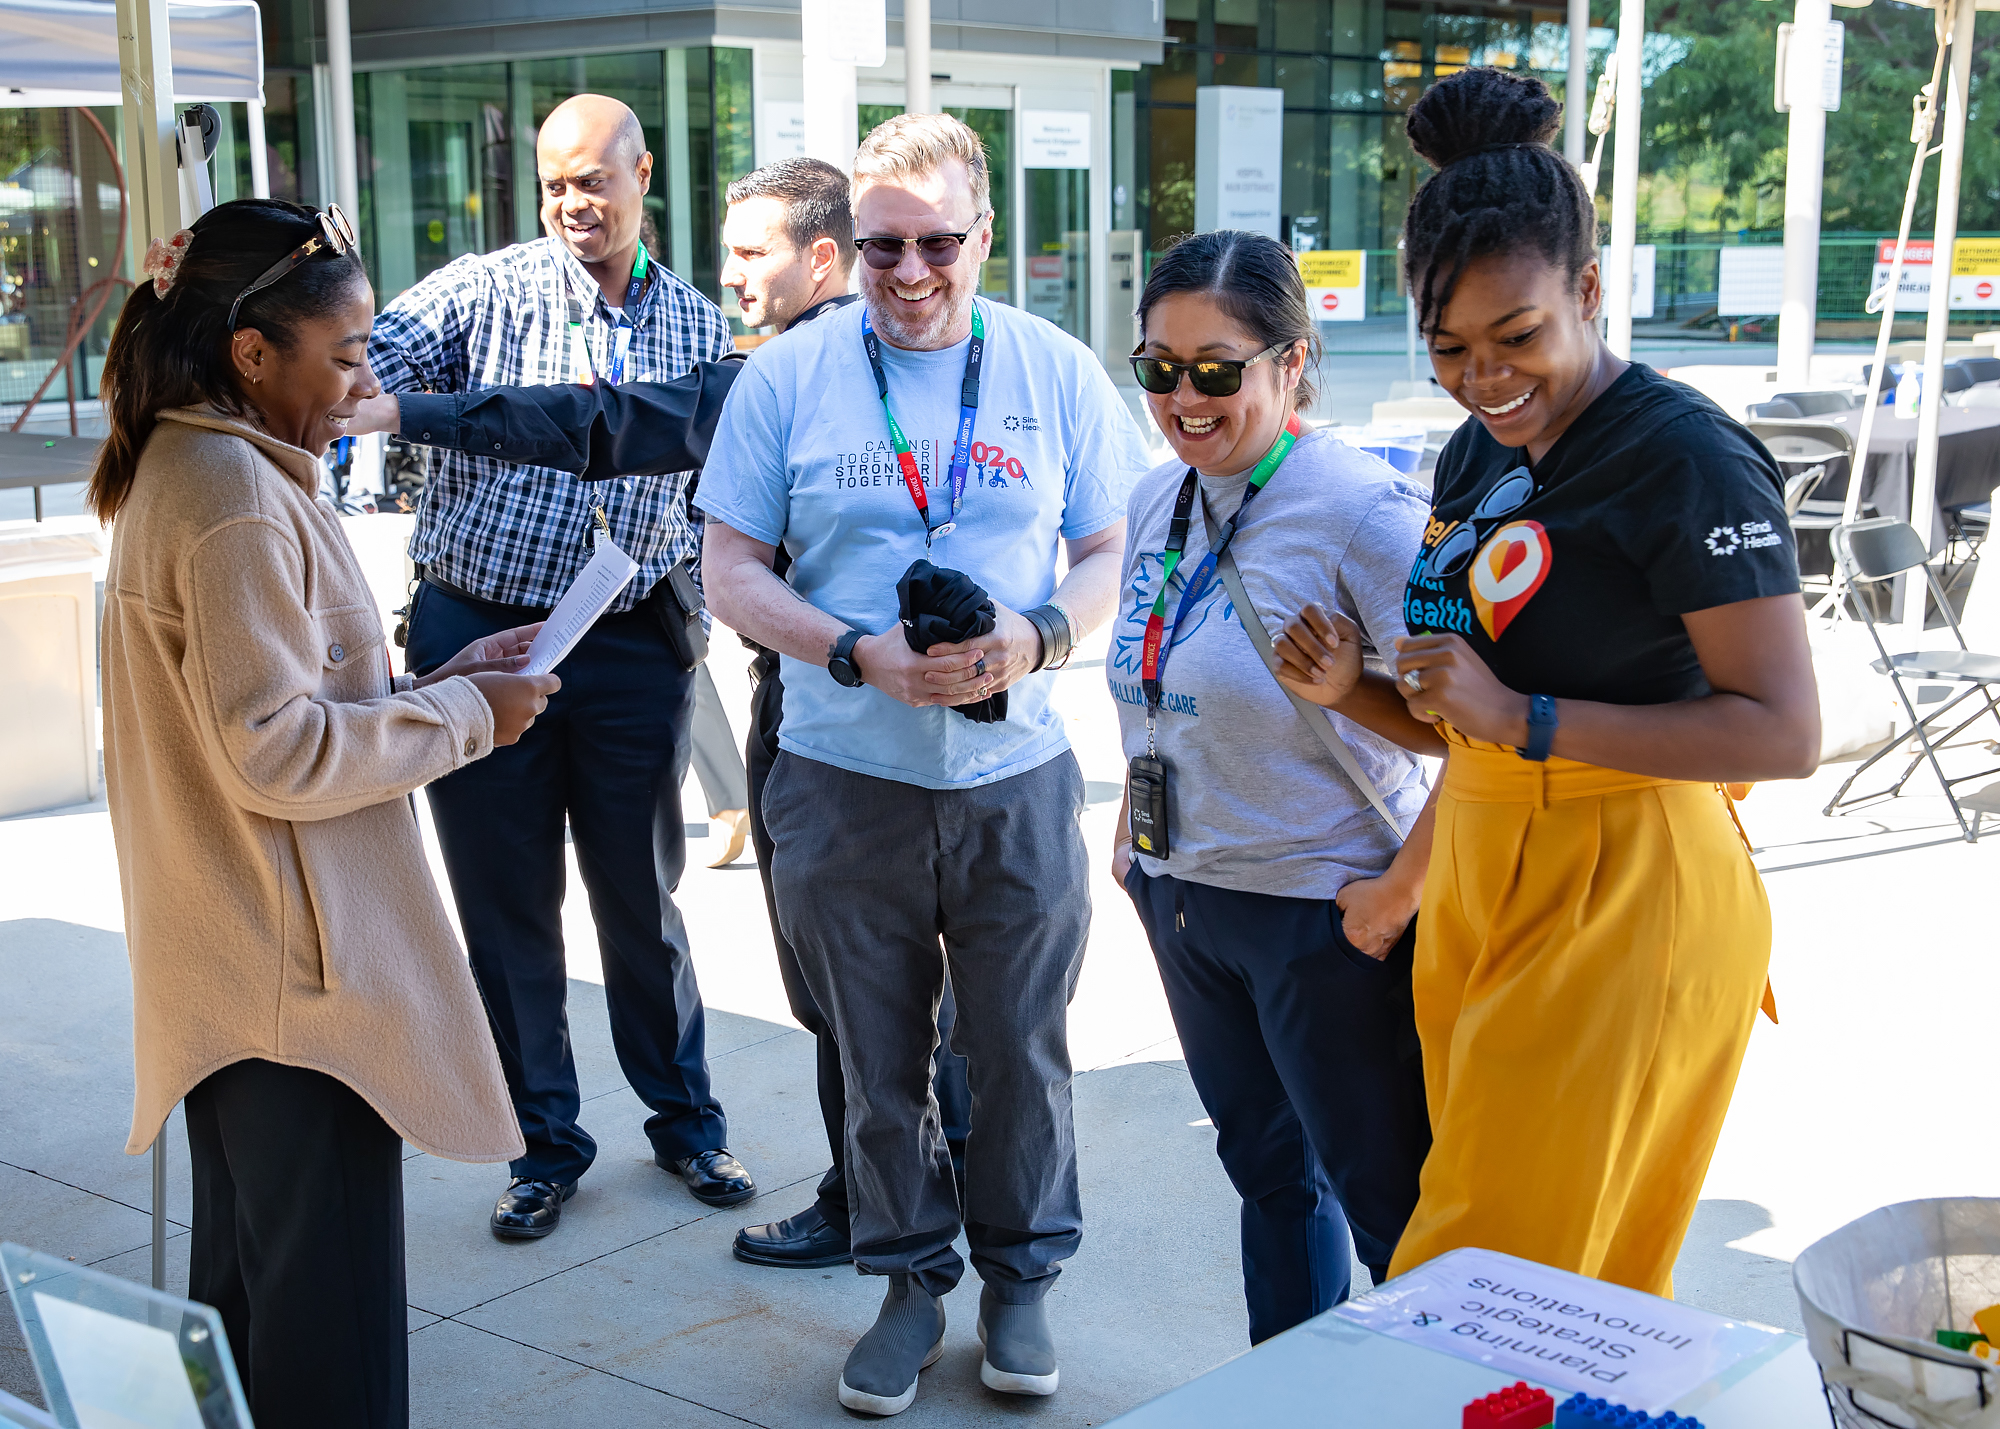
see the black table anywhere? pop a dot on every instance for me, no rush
(30, 459)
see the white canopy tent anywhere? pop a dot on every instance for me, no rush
(65, 52)
(56, 53)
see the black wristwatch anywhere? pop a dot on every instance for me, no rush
(840, 660)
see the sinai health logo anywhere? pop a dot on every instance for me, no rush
(1748, 536)
(1507, 572)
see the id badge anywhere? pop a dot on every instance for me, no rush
(1147, 781)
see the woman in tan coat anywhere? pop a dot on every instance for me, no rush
(294, 977)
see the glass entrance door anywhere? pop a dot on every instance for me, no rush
(1057, 283)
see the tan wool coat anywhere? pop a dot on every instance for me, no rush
(278, 904)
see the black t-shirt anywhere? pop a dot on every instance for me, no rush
(1571, 579)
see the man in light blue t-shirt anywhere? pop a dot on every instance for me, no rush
(906, 835)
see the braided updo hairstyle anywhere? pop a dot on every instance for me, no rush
(1499, 187)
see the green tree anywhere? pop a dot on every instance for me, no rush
(1709, 113)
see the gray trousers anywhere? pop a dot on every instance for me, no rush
(879, 886)
(717, 760)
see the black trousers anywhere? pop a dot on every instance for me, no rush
(298, 1242)
(608, 754)
(1304, 1052)
(954, 1095)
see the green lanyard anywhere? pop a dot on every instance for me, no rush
(1153, 653)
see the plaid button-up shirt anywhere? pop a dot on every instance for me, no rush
(520, 534)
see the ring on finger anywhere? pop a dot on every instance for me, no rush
(1413, 681)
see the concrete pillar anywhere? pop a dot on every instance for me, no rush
(1576, 93)
(1805, 154)
(917, 56)
(340, 106)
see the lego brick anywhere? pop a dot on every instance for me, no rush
(1580, 1411)
(1960, 1340)
(1519, 1407)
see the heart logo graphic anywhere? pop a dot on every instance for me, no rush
(1507, 572)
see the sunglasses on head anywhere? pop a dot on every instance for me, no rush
(1222, 377)
(335, 232)
(940, 250)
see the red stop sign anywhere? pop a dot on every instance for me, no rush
(1329, 301)
(1983, 291)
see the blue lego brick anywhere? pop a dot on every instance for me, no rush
(1582, 1412)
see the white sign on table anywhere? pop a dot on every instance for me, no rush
(1055, 139)
(609, 571)
(1554, 1328)
(1239, 156)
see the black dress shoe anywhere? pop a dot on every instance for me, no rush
(715, 1177)
(803, 1242)
(530, 1209)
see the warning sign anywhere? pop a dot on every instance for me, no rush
(1975, 273)
(1336, 283)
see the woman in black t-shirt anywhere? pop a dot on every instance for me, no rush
(1605, 623)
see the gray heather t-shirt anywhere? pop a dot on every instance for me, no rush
(1258, 803)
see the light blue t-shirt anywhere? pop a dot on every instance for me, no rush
(802, 457)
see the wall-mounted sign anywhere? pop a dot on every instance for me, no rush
(1975, 273)
(1336, 282)
(1239, 153)
(781, 130)
(1644, 260)
(1055, 139)
(853, 32)
(1751, 281)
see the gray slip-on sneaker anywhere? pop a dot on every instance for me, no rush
(1020, 1352)
(880, 1376)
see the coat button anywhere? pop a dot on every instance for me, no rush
(471, 748)
(335, 654)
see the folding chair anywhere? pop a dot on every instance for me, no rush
(1880, 550)
(1804, 451)
(1815, 404)
(1777, 409)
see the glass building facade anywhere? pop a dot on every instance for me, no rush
(1350, 70)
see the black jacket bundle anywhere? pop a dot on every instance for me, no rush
(941, 607)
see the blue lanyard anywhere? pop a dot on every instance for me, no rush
(961, 447)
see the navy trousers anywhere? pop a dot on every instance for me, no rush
(608, 755)
(954, 1096)
(1304, 1051)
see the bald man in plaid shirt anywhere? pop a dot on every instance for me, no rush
(497, 544)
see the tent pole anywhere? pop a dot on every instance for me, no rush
(1576, 93)
(917, 56)
(1923, 486)
(260, 157)
(146, 94)
(1805, 173)
(1624, 181)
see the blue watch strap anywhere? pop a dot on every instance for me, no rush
(1541, 727)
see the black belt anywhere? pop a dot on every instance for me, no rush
(528, 614)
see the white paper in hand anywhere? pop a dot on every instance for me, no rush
(596, 586)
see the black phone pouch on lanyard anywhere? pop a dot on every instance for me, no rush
(1147, 781)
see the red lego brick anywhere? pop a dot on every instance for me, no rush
(1516, 1408)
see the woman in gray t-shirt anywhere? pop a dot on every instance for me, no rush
(1276, 897)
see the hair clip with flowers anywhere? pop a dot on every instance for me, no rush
(163, 260)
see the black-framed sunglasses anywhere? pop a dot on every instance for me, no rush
(335, 232)
(940, 250)
(1220, 377)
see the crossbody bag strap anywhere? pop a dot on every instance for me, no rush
(1246, 615)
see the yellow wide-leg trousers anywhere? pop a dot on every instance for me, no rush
(1590, 956)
